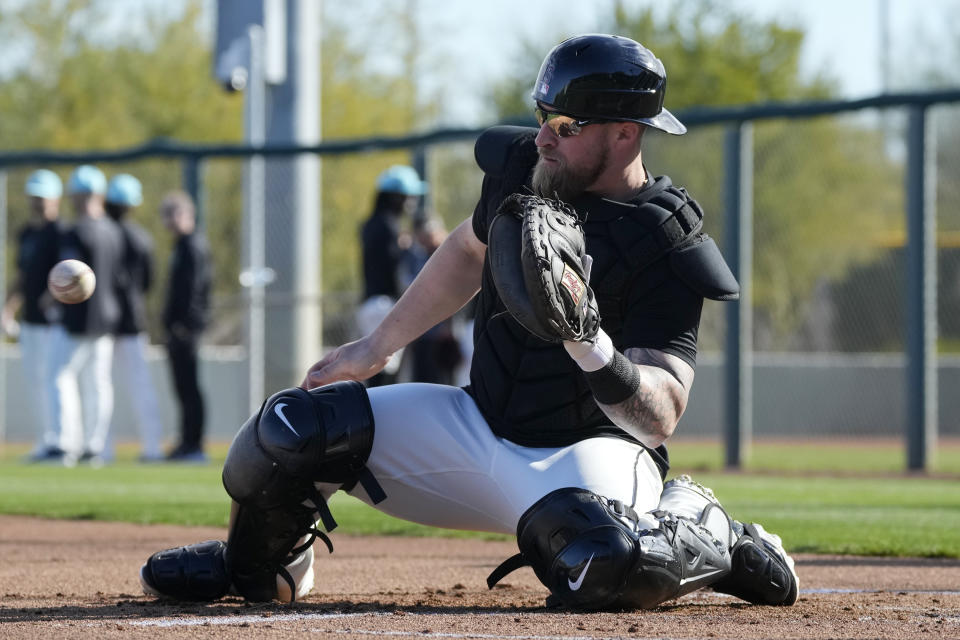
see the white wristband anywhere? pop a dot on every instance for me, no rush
(592, 356)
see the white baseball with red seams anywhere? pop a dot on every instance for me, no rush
(71, 281)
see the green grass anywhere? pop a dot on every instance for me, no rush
(834, 456)
(876, 514)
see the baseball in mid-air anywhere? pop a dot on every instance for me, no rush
(71, 281)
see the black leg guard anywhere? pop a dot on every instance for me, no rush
(194, 572)
(595, 553)
(762, 571)
(262, 542)
(298, 438)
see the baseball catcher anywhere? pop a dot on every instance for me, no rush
(589, 275)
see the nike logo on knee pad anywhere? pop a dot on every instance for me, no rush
(575, 585)
(283, 418)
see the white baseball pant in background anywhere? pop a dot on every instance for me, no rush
(131, 375)
(81, 402)
(35, 340)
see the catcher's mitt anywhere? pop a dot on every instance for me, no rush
(537, 253)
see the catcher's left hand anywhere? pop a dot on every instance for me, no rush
(537, 255)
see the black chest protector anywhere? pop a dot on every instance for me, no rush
(530, 391)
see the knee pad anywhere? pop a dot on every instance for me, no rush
(297, 438)
(300, 437)
(595, 553)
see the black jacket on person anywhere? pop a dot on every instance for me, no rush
(99, 243)
(187, 307)
(381, 255)
(38, 249)
(137, 280)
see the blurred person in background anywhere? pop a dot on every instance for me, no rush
(185, 316)
(130, 369)
(82, 350)
(436, 354)
(398, 191)
(38, 249)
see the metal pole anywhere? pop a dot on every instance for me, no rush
(921, 293)
(3, 297)
(419, 160)
(883, 11)
(738, 365)
(194, 187)
(255, 124)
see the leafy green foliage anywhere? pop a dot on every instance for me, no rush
(714, 55)
(80, 92)
(822, 188)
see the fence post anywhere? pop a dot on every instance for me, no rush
(255, 121)
(921, 291)
(194, 187)
(3, 298)
(419, 159)
(738, 364)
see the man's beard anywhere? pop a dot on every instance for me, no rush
(564, 182)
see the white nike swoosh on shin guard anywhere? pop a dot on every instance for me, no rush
(575, 585)
(700, 577)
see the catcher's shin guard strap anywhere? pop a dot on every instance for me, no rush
(505, 568)
(369, 484)
(262, 542)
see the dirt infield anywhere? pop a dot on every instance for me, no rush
(79, 580)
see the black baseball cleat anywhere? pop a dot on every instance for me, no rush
(762, 572)
(195, 572)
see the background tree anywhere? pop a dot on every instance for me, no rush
(820, 186)
(84, 88)
(80, 90)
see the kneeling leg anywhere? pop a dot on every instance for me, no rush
(595, 553)
(297, 439)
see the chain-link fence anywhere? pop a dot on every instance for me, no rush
(829, 279)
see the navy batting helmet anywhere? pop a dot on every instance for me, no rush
(606, 77)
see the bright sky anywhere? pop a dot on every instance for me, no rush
(843, 36)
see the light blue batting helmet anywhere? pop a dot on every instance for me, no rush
(401, 179)
(44, 183)
(87, 179)
(125, 190)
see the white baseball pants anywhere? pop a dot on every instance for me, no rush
(440, 464)
(81, 402)
(35, 340)
(131, 374)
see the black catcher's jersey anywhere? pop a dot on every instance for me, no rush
(530, 391)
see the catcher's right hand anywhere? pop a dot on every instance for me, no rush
(537, 254)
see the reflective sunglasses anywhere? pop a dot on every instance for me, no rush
(563, 126)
